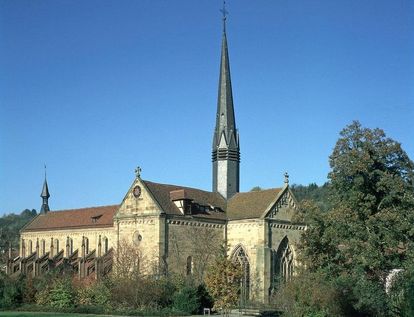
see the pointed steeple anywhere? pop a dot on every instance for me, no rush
(45, 196)
(226, 149)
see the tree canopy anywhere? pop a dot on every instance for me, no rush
(369, 227)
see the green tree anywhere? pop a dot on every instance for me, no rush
(223, 283)
(10, 226)
(186, 300)
(369, 228)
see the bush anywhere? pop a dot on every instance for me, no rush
(11, 291)
(187, 300)
(62, 294)
(91, 293)
(310, 295)
(206, 301)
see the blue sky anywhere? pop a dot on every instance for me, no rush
(95, 88)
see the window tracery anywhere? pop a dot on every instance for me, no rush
(240, 258)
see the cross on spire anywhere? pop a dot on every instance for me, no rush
(138, 172)
(224, 12)
(286, 178)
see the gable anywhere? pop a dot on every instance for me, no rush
(139, 201)
(283, 207)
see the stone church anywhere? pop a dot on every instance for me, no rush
(177, 229)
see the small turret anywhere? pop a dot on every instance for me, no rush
(45, 197)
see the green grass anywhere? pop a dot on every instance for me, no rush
(40, 314)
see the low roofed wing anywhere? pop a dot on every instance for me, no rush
(161, 193)
(250, 204)
(74, 218)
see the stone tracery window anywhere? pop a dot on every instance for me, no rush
(240, 257)
(282, 263)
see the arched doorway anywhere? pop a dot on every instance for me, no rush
(240, 257)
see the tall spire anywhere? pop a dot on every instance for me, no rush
(226, 150)
(45, 196)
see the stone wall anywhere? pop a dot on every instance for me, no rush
(60, 236)
(192, 244)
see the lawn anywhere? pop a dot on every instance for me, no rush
(39, 314)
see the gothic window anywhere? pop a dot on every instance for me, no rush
(56, 245)
(69, 246)
(240, 258)
(189, 268)
(30, 247)
(43, 247)
(105, 245)
(282, 263)
(86, 245)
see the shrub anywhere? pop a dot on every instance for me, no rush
(187, 300)
(206, 301)
(61, 295)
(90, 292)
(310, 295)
(11, 291)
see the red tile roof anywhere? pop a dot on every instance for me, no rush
(94, 217)
(240, 206)
(250, 204)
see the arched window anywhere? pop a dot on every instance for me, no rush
(56, 245)
(30, 247)
(43, 247)
(69, 246)
(282, 263)
(240, 257)
(86, 245)
(189, 268)
(105, 245)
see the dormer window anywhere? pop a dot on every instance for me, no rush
(95, 218)
(181, 199)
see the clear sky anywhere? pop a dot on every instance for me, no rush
(94, 88)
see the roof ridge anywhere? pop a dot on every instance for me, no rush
(182, 187)
(262, 190)
(83, 208)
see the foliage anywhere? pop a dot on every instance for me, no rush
(128, 261)
(11, 291)
(256, 189)
(368, 229)
(401, 297)
(206, 301)
(61, 294)
(9, 230)
(223, 283)
(319, 195)
(90, 292)
(308, 294)
(187, 300)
